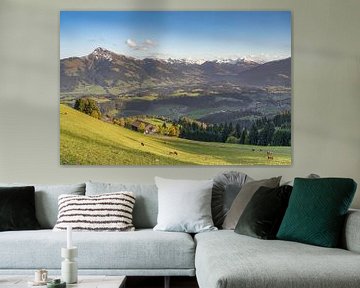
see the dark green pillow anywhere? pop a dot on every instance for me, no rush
(316, 211)
(17, 208)
(263, 214)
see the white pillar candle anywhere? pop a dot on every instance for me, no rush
(69, 237)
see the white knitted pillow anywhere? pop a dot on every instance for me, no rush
(105, 212)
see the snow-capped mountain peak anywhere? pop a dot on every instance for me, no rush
(242, 60)
(101, 53)
(184, 61)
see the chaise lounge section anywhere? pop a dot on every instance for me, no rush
(225, 259)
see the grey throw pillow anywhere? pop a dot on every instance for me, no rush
(242, 199)
(310, 176)
(226, 187)
(184, 205)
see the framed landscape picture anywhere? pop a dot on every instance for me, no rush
(175, 88)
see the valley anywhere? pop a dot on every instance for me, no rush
(213, 92)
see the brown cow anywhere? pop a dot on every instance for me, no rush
(269, 155)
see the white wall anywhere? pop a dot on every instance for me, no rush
(326, 90)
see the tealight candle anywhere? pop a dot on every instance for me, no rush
(69, 237)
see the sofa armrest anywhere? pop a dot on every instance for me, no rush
(351, 234)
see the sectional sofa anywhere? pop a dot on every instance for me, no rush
(219, 259)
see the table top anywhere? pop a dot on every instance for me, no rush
(84, 281)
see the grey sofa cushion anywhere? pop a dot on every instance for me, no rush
(184, 205)
(226, 259)
(46, 200)
(310, 176)
(146, 204)
(225, 189)
(143, 249)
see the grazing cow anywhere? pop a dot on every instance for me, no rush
(269, 155)
(142, 144)
(173, 153)
(253, 150)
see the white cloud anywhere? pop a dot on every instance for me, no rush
(149, 43)
(131, 43)
(143, 46)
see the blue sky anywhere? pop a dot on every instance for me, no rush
(194, 35)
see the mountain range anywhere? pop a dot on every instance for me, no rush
(107, 69)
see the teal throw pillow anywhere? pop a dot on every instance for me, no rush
(316, 211)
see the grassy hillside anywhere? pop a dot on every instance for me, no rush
(87, 141)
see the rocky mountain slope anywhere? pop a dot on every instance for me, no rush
(108, 70)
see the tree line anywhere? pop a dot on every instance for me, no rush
(263, 131)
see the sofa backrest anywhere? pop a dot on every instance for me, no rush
(146, 203)
(46, 200)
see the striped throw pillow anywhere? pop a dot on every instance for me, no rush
(105, 212)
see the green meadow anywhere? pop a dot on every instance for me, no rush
(87, 141)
